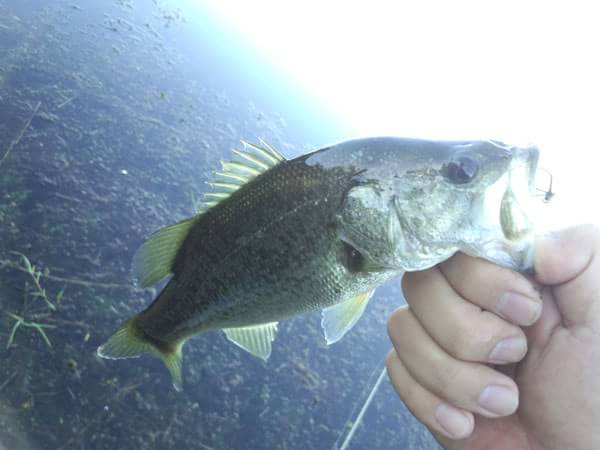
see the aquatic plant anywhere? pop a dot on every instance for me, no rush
(38, 291)
(36, 274)
(21, 321)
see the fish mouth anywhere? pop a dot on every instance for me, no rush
(507, 228)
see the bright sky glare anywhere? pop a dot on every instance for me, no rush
(518, 71)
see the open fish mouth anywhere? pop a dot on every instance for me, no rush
(507, 228)
(515, 203)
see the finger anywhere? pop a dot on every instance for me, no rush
(466, 385)
(493, 288)
(539, 334)
(569, 260)
(460, 327)
(437, 415)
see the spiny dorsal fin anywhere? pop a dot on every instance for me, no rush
(245, 165)
(337, 320)
(255, 339)
(154, 259)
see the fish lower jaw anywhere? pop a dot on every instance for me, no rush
(513, 254)
(423, 257)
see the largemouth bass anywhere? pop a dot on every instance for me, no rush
(277, 238)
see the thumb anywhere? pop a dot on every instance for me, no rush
(569, 262)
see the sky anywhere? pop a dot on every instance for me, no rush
(518, 71)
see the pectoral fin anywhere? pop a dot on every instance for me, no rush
(339, 319)
(255, 339)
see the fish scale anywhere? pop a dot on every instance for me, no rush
(227, 266)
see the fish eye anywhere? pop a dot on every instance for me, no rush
(351, 258)
(460, 171)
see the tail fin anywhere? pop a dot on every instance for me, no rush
(129, 342)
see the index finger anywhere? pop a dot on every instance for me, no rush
(496, 289)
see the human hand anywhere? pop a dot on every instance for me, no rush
(459, 361)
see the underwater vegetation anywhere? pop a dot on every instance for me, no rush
(30, 295)
(109, 129)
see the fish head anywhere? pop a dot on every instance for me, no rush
(414, 203)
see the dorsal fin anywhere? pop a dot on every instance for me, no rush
(245, 165)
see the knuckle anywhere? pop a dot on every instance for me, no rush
(467, 341)
(394, 323)
(390, 359)
(445, 382)
(410, 397)
(412, 283)
(407, 390)
(477, 281)
(406, 284)
(457, 268)
(465, 344)
(493, 328)
(476, 341)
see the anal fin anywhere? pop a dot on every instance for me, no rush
(255, 339)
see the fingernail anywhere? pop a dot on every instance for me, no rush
(453, 421)
(498, 400)
(508, 350)
(518, 308)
